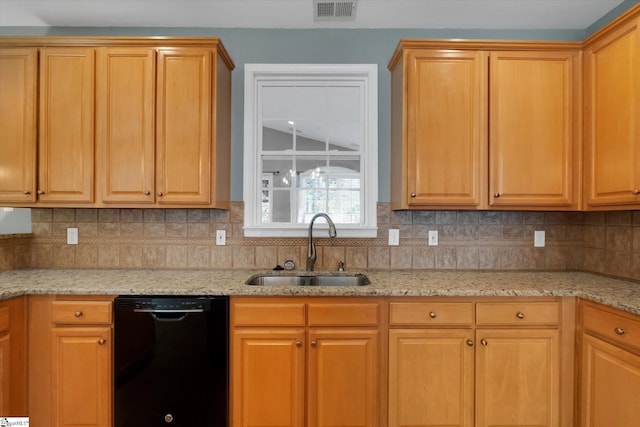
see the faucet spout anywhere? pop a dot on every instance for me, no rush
(311, 248)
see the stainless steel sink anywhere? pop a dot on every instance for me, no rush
(309, 280)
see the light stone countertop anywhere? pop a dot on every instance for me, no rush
(621, 294)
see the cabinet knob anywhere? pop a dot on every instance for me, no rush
(470, 343)
(102, 341)
(484, 342)
(432, 315)
(635, 191)
(496, 195)
(619, 331)
(298, 343)
(520, 315)
(78, 313)
(40, 192)
(160, 194)
(313, 343)
(413, 194)
(147, 192)
(26, 192)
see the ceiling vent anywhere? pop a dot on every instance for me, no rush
(325, 10)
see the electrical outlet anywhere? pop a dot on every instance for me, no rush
(221, 237)
(538, 239)
(433, 237)
(394, 237)
(72, 236)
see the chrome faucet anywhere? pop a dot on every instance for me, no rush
(311, 248)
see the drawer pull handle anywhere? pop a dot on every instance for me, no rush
(413, 194)
(26, 192)
(432, 314)
(40, 192)
(497, 195)
(470, 343)
(102, 341)
(484, 342)
(313, 343)
(520, 315)
(298, 343)
(147, 192)
(78, 313)
(619, 331)
(635, 191)
(160, 194)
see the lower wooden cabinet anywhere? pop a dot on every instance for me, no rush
(517, 377)
(431, 377)
(70, 359)
(268, 377)
(475, 363)
(81, 376)
(610, 367)
(297, 360)
(13, 367)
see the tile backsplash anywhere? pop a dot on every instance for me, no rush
(602, 242)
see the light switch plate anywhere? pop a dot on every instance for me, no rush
(394, 237)
(539, 239)
(72, 236)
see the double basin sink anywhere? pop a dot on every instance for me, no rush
(308, 280)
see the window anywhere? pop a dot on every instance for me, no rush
(310, 145)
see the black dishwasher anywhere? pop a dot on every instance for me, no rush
(170, 361)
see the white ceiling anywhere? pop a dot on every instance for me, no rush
(473, 14)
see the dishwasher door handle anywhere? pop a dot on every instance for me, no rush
(152, 310)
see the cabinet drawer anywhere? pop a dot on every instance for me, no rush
(4, 319)
(517, 313)
(617, 327)
(81, 312)
(430, 313)
(268, 314)
(347, 314)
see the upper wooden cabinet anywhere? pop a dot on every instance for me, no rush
(66, 132)
(125, 112)
(439, 138)
(534, 148)
(455, 102)
(612, 111)
(163, 126)
(162, 114)
(18, 84)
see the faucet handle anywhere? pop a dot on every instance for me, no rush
(341, 266)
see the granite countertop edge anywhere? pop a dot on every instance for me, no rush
(617, 293)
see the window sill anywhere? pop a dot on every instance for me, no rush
(319, 231)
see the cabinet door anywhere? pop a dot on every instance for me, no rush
(66, 139)
(517, 378)
(610, 385)
(267, 369)
(343, 378)
(612, 108)
(81, 376)
(125, 85)
(533, 145)
(18, 124)
(5, 373)
(446, 128)
(431, 377)
(183, 126)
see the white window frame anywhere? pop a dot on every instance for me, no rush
(255, 74)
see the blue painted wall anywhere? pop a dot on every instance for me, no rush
(373, 46)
